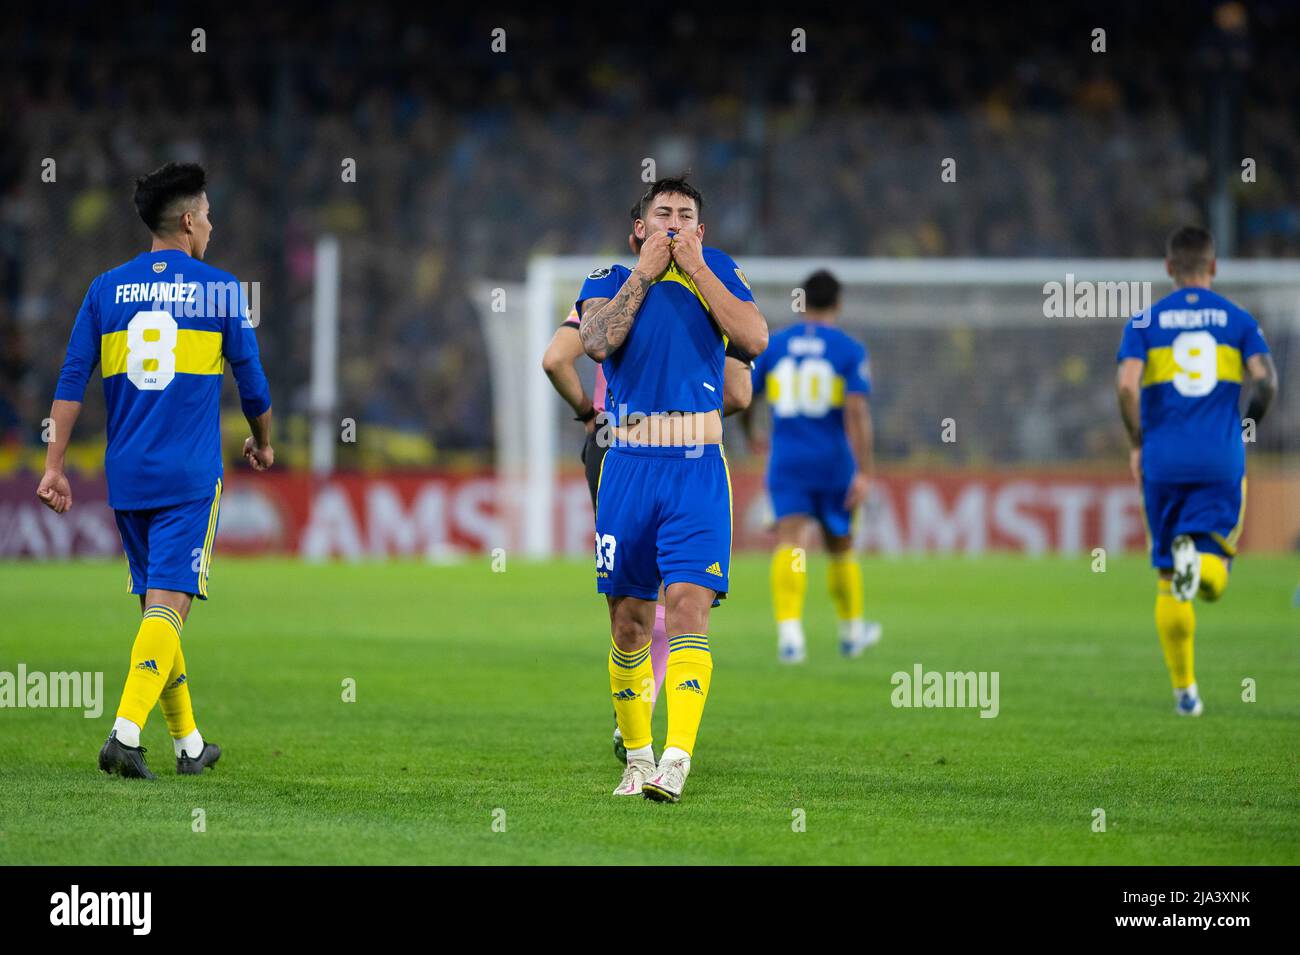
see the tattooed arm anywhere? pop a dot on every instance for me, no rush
(606, 322)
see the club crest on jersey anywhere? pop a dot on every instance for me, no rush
(741, 275)
(158, 267)
(598, 273)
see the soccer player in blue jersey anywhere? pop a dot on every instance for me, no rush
(817, 381)
(160, 327)
(1181, 367)
(559, 362)
(663, 505)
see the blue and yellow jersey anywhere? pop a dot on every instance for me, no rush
(804, 375)
(1195, 344)
(159, 327)
(673, 357)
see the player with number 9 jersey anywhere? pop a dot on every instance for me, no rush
(1182, 364)
(1194, 344)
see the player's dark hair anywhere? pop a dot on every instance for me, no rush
(636, 214)
(155, 192)
(670, 185)
(1190, 250)
(821, 290)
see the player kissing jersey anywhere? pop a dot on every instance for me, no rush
(804, 374)
(1195, 344)
(593, 449)
(674, 354)
(663, 514)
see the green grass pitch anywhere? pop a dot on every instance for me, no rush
(482, 697)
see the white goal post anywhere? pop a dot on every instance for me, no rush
(878, 294)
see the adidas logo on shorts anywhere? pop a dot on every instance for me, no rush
(714, 568)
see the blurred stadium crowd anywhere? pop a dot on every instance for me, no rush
(469, 161)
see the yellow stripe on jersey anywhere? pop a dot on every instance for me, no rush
(772, 388)
(675, 274)
(1161, 367)
(837, 392)
(205, 561)
(197, 353)
(1229, 543)
(731, 504)
(600, 474)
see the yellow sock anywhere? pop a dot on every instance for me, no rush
(788, 583)
(156, 643)
(175, 699)
(632, 684)
(1176, 625)
(1214, 577)
(686, 685)
(846, 586)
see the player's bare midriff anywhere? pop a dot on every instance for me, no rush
(675, 429)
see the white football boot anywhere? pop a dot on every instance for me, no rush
(857, 635)
(635, 773)
(665, 784)
(790, 642)
(620, 751)
(1187, 568)
(1187, 701)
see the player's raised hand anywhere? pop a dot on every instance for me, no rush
(858, 490)
(655, 255)
(55, 492)
(259, 458)
(688, 250)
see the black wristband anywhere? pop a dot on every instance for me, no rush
(584, 418)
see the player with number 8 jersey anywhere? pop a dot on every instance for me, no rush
(161, 327)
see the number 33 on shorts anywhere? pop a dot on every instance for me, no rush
(605, 545)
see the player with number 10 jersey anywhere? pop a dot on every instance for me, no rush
(816, 380)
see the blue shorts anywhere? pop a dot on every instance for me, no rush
(170, 548)
(1211, 512)
(827, 506)
(662, 515)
